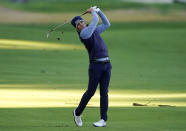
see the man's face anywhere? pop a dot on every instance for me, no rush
(81, 24)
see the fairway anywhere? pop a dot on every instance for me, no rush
(42, 80)
(128, 119)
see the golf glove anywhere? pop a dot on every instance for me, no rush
(96, 9)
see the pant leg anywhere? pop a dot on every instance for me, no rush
(104, 84)
(95, 72)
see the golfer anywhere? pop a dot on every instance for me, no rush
(99, 67)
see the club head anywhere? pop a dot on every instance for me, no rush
(58, 38)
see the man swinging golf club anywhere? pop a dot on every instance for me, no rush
(99, 67)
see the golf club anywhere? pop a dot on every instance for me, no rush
(60, 25)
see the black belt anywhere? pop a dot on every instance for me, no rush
(101, 62)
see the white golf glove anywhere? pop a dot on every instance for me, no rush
(96, 9)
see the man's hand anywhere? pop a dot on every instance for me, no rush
(96, 9)
(90, 10)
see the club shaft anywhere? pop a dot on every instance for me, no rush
(84, 13)
(58, 26)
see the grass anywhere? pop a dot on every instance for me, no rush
(80, 5)
(155, 59)
(129, 119)
(147, 58)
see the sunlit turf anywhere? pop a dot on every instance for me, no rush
(27, 98)
(35, 45)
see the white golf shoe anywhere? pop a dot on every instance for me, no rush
(77, 119)
(100, 123)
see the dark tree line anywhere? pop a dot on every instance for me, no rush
(19, 1)
(24, 1)
(179, 1)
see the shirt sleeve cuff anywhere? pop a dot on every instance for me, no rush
(93, 12)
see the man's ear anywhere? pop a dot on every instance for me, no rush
(77, 29)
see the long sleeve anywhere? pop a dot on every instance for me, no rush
(105, 22)
(88, 31)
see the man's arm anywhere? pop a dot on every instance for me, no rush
(105, 21)
(88, 31)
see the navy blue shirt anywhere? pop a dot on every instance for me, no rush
(90, 37)
(95, 46)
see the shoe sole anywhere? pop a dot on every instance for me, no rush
(99, 126)
(74, 117)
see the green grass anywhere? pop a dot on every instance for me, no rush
(81, 5)
(128, 119)
(146, 58)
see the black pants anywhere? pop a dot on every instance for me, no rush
(99, 73)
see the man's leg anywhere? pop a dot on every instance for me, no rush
(94, 78)
(104, 84)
